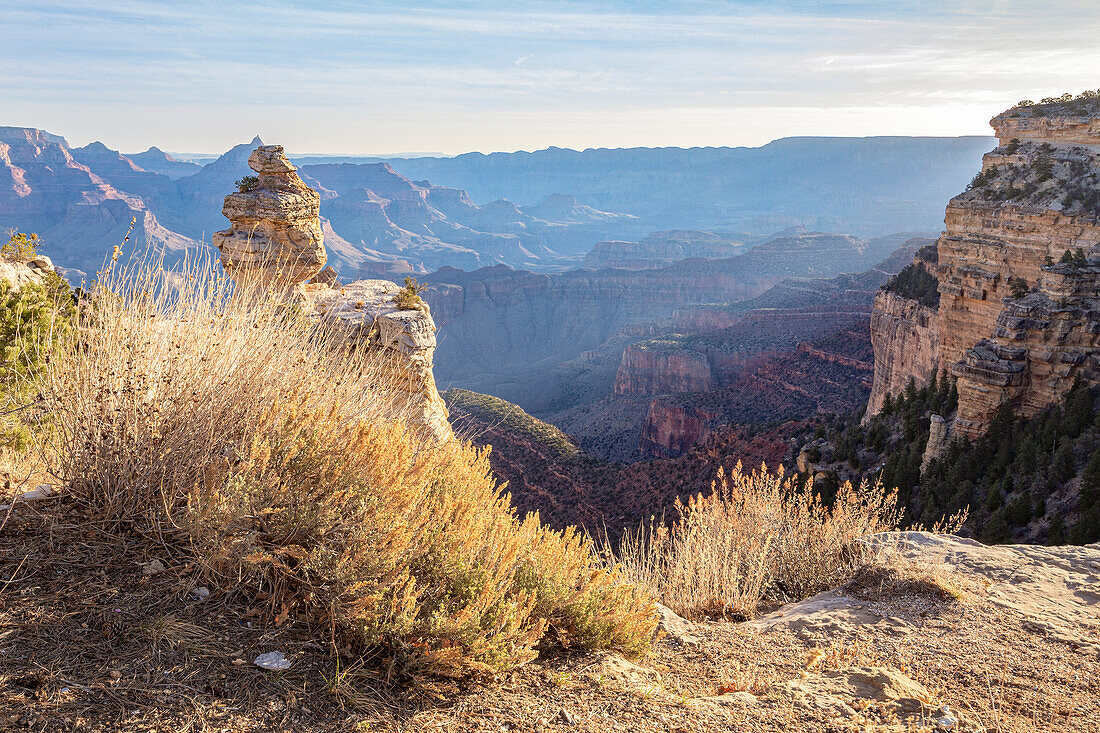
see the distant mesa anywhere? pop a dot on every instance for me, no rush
(563, 208)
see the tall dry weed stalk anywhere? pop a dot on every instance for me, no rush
(192, 407)
(756, 537)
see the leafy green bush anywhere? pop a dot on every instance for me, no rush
(20, 246)
(32, 321)
(1018, 288)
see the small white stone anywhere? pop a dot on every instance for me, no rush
(39, 492)
(274, 661)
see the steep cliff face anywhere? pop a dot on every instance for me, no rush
(1036, 202)
(672, 429)
(655, 371)
(905, 336)
(1018, 274)
(1041, 344)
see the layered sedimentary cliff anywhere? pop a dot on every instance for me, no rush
(671, 429)
(1041, 343)
(1019, 274)
(905, 335)
(289, 250)
(661, 248)
(648, 370)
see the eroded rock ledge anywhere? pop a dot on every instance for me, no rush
(276, 239)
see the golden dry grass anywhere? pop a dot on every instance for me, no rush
(189, 409)
(756, 538)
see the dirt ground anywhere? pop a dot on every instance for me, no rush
(94, 636)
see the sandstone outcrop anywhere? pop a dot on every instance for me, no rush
(1018, 271)
(290, 251)
(671, 429)
(19, 273)
(275, 233)
(647, 370)
(1036, 201)
(905, 336)
(367, 311)
(939, 436)
(1040, 345)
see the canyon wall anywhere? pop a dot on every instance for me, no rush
(905, 335)
(1018, 271)
(523, 336)
(1040, 345)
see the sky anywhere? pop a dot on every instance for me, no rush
(384, 77)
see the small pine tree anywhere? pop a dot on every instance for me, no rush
(1056, 535)
(1018, 288)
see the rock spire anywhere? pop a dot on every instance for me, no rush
(275, 233)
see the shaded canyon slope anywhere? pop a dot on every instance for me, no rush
(539, 340)
(547, 472)
(648, 362)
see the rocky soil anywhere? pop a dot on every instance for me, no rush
(103, 631)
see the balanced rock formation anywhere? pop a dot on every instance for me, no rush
(1018, 271)
(276, 238)
(275, 233)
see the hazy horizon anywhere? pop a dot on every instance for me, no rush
(444, 76)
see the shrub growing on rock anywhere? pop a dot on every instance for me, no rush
(247, 183)
(20, 246)
(408, 297)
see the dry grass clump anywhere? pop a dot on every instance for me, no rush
(217, 415)
(756, 538)
(906, 579)
(891, 573)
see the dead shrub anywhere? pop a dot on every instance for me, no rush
(755, 538)
(193, 409)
